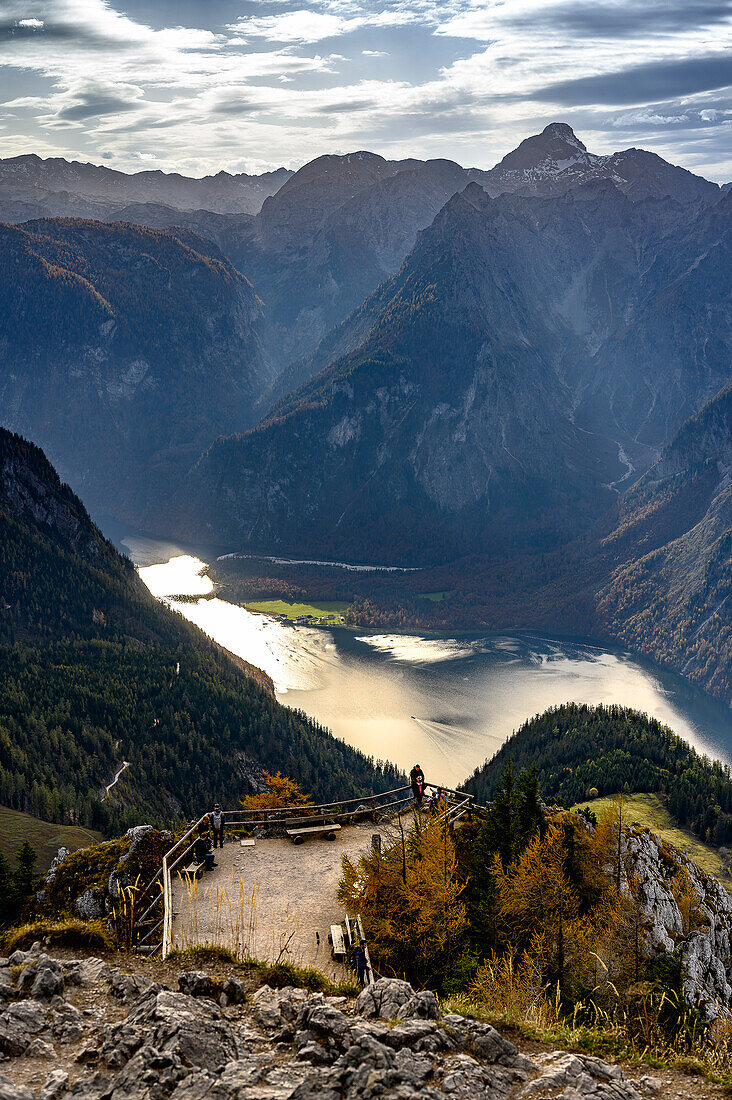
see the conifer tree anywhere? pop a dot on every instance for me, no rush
(25, 873)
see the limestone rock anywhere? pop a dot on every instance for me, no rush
(55, 1085)
(195, 983)
(192, 1029)
(90, 905)
(570, 1075)
(275, 1008)
(19, 1024)
(384, 999)
(128, 987)
(56, 862)
(10, 1091)
(136, 834)
(422, 1006)
(706, 953)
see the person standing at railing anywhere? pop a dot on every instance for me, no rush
(416, 779)
(217, 820)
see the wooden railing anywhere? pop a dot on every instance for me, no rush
(244, 820)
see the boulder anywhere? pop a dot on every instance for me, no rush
(136, 835)
(578, 1076)
(56, 862)
(55, 1085)
(127, 987)
(235, 991)
(189, 1028)
(67, 1023)
(384, 999)
(195, 983)
(10, 1091)
(48, 982)
(422, 1006)
(276, 1008)
(19, 1025)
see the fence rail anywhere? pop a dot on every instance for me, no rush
(458, 804)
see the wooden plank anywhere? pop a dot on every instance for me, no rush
(328, 831)
(336, 938)
(247, 843)
(195, 869)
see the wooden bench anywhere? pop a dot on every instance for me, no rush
(196, 869)
(337, 941)
(328, 831)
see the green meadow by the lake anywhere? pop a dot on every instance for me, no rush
(296, 610)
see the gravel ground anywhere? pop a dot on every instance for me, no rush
(274, 901)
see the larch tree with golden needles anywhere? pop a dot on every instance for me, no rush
(281, 791)
(414, 927)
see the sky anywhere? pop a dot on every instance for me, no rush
(197, 86)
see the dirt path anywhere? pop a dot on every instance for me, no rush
(275, 900)
(125, 764)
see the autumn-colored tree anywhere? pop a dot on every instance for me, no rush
(415, 927)
(281, 791)
(687, 899)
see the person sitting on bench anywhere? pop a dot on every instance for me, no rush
(202, 852)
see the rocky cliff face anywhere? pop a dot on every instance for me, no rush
(668, 594)
(124, 352)
(703, 942)
(470, 400)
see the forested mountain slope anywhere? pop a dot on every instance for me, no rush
(576, 747)
(94, 672)
(125, 351)
(669, 593)
(468, 405)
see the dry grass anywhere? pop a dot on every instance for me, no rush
(73, 933)
(226, 917)
(508, 992)
(649, 810)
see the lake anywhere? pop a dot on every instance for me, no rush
(446, 702)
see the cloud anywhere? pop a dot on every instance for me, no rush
(641, 83)
(250, 84)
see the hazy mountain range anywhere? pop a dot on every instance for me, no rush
(395, 360)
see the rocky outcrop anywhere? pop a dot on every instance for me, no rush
(658, 871)
(214, 1040)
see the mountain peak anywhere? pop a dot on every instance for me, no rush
(564, 132)
(552, 151)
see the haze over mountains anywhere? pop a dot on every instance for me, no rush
(389, 360)
(32, 187)
(125, 351)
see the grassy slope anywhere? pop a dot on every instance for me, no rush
(648, 809)
(15, 827)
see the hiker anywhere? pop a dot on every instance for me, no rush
(358, 961)
(217, 819)
(202, 852)
(416, 778)
(438, 802)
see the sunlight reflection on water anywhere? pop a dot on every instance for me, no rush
(447, 702)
